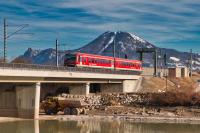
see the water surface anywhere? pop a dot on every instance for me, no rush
(94, 126)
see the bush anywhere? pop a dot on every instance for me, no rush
(174, 99)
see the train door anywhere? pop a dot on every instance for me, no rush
(84, 60)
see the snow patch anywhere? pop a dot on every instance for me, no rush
(149, 46)
(35, 52)
(174, 59)
(122, 45)
(196, 62)
(52, 55)
(106, 46)
(137, 38)
(198, 59)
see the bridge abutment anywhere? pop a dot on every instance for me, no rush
(131, 86)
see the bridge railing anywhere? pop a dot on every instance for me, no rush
(63, 68)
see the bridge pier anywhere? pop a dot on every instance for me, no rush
(20, 100)
(28, 100)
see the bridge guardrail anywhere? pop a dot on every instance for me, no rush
(63, 68)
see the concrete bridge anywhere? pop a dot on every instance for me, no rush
(23, 86)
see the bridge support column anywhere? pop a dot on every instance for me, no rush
(79, 89)
(87, 89)
(28, 100)
(131, 85)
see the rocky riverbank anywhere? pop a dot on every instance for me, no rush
(171, 105)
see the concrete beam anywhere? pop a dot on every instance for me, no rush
(62, 74)
(6, 79)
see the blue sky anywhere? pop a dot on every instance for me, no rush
(165, 23)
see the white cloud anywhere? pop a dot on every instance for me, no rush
(157, 21)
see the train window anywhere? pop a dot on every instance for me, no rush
(107, 62)
(70, 57)
(84, 59)
(89, 59)
(93, 61)
(139, 66)
(98, 61)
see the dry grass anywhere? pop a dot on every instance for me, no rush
(174, 99)
(156, 84)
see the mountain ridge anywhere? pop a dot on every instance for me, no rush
(125, 45)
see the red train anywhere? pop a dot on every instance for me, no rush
(97, 61)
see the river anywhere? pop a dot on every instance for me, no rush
(94, 126)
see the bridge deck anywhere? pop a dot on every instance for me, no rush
(68, 69)
(44, 73)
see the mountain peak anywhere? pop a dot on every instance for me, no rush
(134, 36)
(124, 42)
(31, 52)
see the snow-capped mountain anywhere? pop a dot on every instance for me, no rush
(125, 45)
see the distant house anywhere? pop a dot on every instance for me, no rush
(178, 72)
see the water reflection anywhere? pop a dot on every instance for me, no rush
(94, 126)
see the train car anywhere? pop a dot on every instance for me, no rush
(98, 61)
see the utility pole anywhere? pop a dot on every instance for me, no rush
(4, 40)
(57, 52)
(6, 36)
(114, 52)
(155, 62)
(165, 62)
(191, 62)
